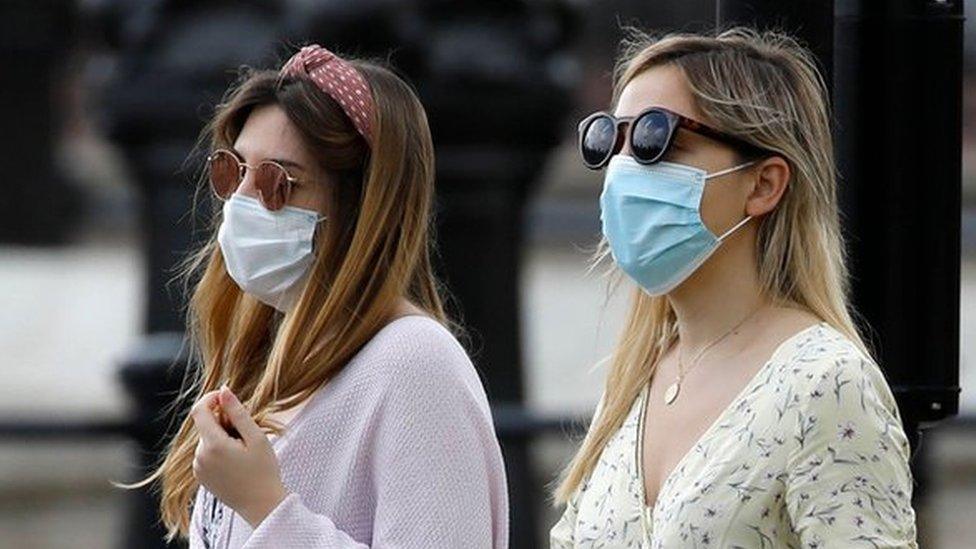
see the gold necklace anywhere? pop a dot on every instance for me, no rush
(672, 393)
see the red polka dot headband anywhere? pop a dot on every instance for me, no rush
(336, 77)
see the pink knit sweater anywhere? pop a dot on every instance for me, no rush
(398, 450)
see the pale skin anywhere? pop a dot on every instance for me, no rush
(244, 472)
(719, 294)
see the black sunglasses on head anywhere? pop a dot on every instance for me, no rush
(651, 133)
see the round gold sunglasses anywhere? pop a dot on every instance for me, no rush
(271, 179)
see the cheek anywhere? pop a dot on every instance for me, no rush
(312, 196)
(721, 207)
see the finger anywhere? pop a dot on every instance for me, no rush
(239, 416)
(209, 401)
(226, 424)
(203, 417)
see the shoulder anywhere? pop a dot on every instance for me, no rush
(825, 361)
(411, 342)
(407, 330)
(848, 452)
(838, 392)
(417, 353)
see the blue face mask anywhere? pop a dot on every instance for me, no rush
(652, 220)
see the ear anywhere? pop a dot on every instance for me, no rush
(772, 177)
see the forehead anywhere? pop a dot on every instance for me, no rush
(268, 133)
(659, 86)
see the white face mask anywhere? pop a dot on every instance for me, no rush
(267, 253)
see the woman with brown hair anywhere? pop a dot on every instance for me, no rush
(741, 406)
(333, 406)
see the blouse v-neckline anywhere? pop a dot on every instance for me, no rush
(639, 457)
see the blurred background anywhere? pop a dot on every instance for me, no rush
(105, 97)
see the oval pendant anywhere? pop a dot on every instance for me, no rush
(671, 394)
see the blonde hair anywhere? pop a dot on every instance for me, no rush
(375, 249)
(763, 87)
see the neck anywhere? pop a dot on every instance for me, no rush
(404, 307)
(720, 294)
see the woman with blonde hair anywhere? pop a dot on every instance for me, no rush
(333, 406)
(741, 406)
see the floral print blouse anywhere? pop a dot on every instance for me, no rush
(810, 454)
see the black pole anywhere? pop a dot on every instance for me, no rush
(39, 205)
(812, 21)
(899, 139)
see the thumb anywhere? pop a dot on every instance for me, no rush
(239, 417)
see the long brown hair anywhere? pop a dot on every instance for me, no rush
(763, 87)
(375, 249)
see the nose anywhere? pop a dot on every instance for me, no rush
(622, 145)
(246, 186)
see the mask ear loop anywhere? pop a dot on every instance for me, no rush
(733, 229)
(730, 170)
(723, 172)
(318, 220)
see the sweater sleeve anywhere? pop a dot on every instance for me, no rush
(849, 481)
(434, 457)
(437, 459)
(292, 524)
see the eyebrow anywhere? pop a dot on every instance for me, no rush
(283, 161)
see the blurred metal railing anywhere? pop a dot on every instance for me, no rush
(510, 422)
